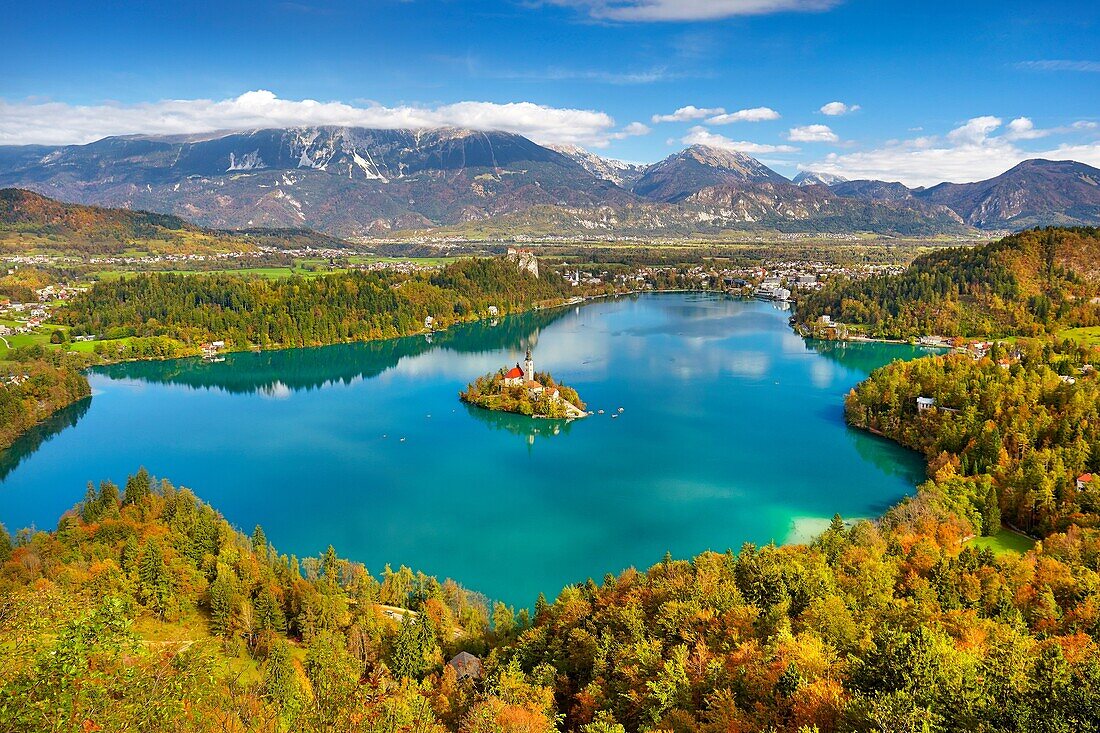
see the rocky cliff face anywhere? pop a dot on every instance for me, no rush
(525, 260)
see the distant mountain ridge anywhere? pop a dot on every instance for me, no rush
(350, 181)
(682, 174)
(1033, 193)
(814, 178)
(618, 172)
(338, 179)
(873, 190)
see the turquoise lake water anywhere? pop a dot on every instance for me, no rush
(732, 431)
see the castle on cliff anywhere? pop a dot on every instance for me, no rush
(524, 259)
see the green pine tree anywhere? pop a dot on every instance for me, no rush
(991, 512)
(222, 592)
(138, 486)
(155, 583)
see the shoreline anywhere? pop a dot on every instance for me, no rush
(192, 352)
(530, 417)
(807, 525)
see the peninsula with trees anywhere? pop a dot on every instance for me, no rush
(524, 391)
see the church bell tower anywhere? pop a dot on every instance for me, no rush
(528, 367)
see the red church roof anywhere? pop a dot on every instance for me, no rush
(514, 372)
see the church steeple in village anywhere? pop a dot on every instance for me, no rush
(528, 367)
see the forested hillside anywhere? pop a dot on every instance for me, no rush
(342, 307)
(146, 611)
(1004, 440)
(1026, 284)
(236, 636)
(30, 222)
(34, 384)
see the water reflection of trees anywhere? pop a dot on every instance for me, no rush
(526, 427)
(889, 457)
(32, 440)
(311, 368)
(866, 356)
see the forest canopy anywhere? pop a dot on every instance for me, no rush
(1027, 284)
(293, 312)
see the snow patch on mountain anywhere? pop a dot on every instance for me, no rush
(815, 178)
(370, 170)
(618, 172)
(247, 162)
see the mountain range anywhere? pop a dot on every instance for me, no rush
(359, 182)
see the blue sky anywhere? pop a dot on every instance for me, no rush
(945, 90)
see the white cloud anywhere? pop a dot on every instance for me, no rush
(970, 152)
(1083, 153)
(703, 136)
(975, 131)
(834, 109)
(1022, 128)
(632, 130)
(812, 134)
(58, 123)
(687, 10)
(690, 112)
(755, 114)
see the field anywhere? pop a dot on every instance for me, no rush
(1005, 541)
(155, 634)
(303, 267)
(87, 347)
(427, 261)
(1089, 336)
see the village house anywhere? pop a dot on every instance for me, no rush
(926, 403)
(1083, 481)
(466, 666)
(210, 350)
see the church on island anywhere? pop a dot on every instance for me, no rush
(524, 376)
(518, 376)
(520, 389)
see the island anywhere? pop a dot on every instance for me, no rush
(524, 391)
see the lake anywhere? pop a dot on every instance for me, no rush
(732, 431)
